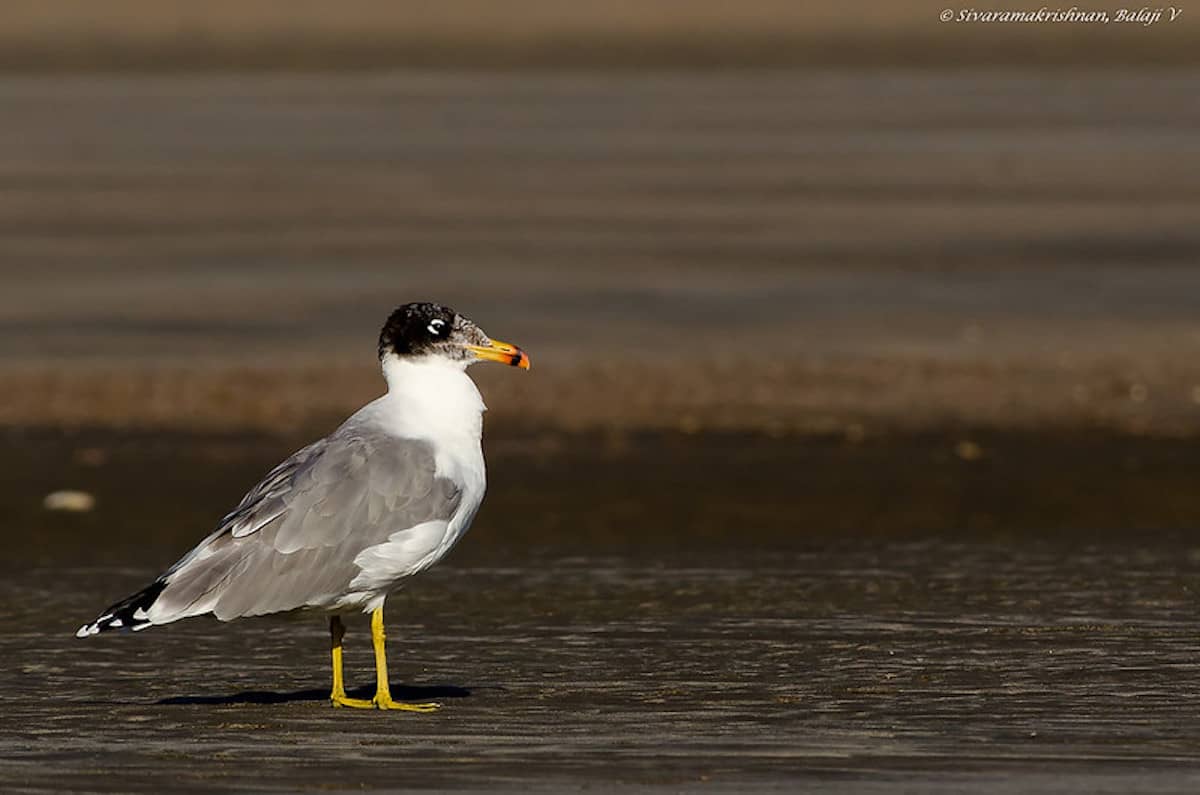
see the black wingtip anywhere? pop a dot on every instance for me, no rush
(127, 614)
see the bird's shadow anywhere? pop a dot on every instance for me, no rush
(414, 693)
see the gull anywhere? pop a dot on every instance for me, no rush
(348, 519)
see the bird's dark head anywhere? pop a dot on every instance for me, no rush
(425, 330)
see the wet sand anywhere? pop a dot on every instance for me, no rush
(684, 612)
(934, 666)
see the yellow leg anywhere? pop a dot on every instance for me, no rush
(383, 696)
(338, 694)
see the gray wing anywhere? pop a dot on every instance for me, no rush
(292, 540)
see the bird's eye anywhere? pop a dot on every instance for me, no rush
(435, 326)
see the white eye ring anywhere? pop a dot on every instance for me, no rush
(435, 326)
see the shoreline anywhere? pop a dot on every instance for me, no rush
(855, 397)
(673, 494)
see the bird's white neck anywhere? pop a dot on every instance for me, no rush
(431, 398)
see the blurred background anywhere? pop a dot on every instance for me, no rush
(800, 224)
(793, 277)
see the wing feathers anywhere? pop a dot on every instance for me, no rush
(293, 540)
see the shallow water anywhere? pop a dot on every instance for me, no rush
(252, 218)
(770, 655)
(927, 663)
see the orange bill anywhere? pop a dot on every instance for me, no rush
(501, 352)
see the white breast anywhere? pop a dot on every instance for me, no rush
(439, 403)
